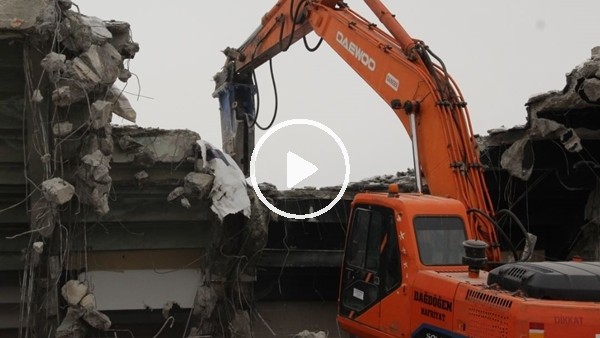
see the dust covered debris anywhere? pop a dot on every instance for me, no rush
(554, 158)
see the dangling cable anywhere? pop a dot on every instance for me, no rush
(511, 247)
(506, 212)
(255, 83)
(309, 48)
(289, 43)
(276, 100)
(294, 16)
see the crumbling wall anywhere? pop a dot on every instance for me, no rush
(565, 116)
(70, 64)
(223, 306)
(552, 165)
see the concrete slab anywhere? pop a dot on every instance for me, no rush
(19, 15)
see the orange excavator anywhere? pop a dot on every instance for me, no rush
(418, 265)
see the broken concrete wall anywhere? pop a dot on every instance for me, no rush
(225, 292)
(80, 74)
(554, 159)
(165, 163)
(94, 197)
(556, 115)
(64, 102)
(68, 66)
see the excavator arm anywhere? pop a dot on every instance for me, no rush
(402, 72)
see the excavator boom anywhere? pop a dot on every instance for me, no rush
(399, 69)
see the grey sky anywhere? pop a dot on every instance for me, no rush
(499, 52)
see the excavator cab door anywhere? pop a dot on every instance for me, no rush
(371, 265)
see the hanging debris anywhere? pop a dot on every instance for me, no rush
(555, 158)
(62, 129)
(94, 181)
(555, 115)
(57, 190)
(82, 312)
(198, 185)
(73, 292)
(228, 193)
(54, 65)
(308, 334)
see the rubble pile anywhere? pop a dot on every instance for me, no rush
(405, 180)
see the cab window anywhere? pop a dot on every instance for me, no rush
(440, 239)
(371, 268)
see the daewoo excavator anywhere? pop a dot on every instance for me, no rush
(418, 265)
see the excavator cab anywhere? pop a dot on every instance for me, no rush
(391, 238)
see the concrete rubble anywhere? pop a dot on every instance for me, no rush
(554, 157)
(83, 73)
(57, 190)
(308, 334)
(581, 96)
(198, 185)
(82, 313)
(243, 221)
(94, 181)
(93, 175)
(405, 180)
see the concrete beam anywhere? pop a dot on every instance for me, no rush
(114, 236)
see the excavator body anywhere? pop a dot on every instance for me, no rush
(403, 275)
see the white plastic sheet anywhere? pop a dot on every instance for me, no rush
(228, 193)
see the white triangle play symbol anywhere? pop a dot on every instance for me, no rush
(298, 169)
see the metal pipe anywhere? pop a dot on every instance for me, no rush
(390, 22)
(415, 149)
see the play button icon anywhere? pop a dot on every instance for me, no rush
(298, 169)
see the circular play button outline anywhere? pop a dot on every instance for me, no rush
(272, 131)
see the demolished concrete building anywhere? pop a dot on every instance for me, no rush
(113, 231)
(120, 230)
(547, 171)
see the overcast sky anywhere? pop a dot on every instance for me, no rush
(499, 52)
